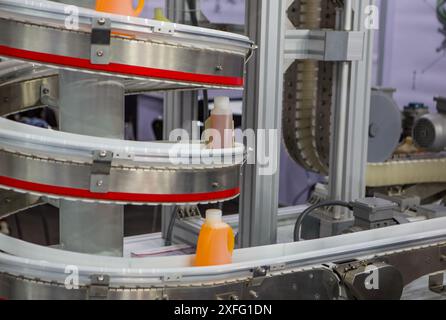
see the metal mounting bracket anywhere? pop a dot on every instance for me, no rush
(99, 287)
(100, 41)
(259, 275)
(323, 45)
(436, 283)
(100, 171)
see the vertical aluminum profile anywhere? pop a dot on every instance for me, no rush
(351, 116)
(262, 109)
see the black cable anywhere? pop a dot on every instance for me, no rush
(308, 211)
(192, 4)
(205, 105)
(169, 234)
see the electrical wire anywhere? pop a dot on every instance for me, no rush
(169, 235)
(308, 211)
(192, 4)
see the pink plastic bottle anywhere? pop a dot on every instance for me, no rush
(221, 121)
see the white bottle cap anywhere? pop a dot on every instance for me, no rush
(222, 106)
(214, 216)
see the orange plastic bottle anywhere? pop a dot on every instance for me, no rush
(216, 241)
(123, 7)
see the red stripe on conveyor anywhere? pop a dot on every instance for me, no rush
(117, 196)
(121, 68)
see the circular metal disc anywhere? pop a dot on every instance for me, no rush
(385, 127)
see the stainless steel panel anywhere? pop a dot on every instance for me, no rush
(140, 53)
(26, 95)
(157, 182)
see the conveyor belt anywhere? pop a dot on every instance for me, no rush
(60, 165)
(307, 114)
(151, 50)
(144, 55)
(406, 172)
(25, 260)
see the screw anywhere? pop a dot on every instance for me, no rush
(45, 91)
(103, 154)
(215, 185)
(253, 294)
(101, 21)
(311, 276)
(219, 68)
(101, 278)
(100, 53)
(233, 297)
(100, 183)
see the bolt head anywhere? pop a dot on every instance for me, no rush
(101, 21)
(100, 53)
(100, 183)
(219, 68)
(103, 154)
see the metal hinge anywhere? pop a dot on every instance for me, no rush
(100, 41)
(99, 287)
(100, 171)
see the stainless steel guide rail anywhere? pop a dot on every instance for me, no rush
(143, 55)
(139, 48)
(60, 165)
(43, 269)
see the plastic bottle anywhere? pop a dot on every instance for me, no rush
(221, 121)
(216, 241)
(159, 15)
(123, 7)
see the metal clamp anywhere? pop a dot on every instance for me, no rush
(100, 171)
(99, 287)
(324, 45)
(259, 274)
(100, 41)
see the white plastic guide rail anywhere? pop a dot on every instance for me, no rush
(22, 259)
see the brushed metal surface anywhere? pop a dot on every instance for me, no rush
(76, 44)
(153, 182)
(22, 96)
